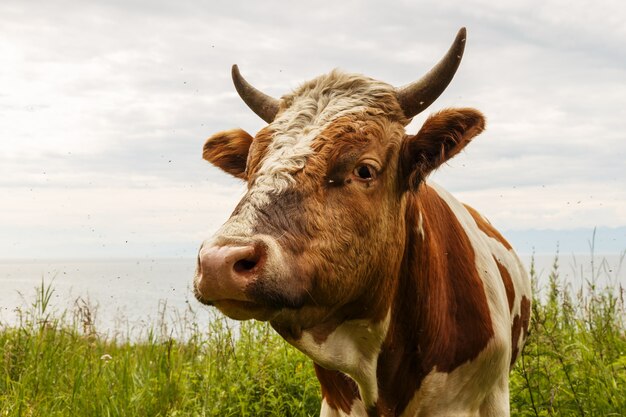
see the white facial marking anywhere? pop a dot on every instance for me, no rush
(312, 108)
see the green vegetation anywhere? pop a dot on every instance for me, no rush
(56, 364)
(574, 363)
(59, 366)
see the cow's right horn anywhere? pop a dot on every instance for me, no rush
(417, 96)
(263, 105)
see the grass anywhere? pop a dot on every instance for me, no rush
(56, 364)
(574, 363)
(59, 366)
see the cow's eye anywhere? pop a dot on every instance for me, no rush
(365, 172)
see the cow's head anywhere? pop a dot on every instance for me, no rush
(319, 237)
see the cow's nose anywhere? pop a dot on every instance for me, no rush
(225, 271)
(230, 259)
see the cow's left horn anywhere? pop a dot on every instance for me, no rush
(417, 96)
(263, 105)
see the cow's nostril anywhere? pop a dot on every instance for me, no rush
(248, 263)
(244, 265)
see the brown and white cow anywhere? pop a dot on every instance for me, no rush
(409, 302)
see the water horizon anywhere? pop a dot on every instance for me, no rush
(128, 295)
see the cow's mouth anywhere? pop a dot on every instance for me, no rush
(242, 310)
(245, 310)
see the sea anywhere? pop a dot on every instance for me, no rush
(125, 297)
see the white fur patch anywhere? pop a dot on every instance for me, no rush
(357, 410)
(473, 389)
(313, 107)
(420, 224)
(352, 348)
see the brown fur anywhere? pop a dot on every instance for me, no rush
(228, 150)
(521, 324)
(338, 389)
(516, 328)
(525, 315)
(508, 283)
(445, 316)
(487, 228)
(257, 151)
(443, 135)
(330, 216)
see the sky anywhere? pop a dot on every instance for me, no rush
(105, 106)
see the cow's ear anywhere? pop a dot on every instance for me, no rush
(228, 150)
(443, 135)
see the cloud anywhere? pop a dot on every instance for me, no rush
(103, 101)
(165, 221)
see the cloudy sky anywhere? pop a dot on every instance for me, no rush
(104, 107)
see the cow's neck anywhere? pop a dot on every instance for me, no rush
(352, 348)
(438, 318)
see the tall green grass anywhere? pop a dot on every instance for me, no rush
(57, 364)
(574, 363)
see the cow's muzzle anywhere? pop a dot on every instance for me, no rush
(224, 272)
(235, 275)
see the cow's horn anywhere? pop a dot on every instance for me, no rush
(263, 105)
(417, 96)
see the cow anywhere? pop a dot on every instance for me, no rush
(408, 302)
